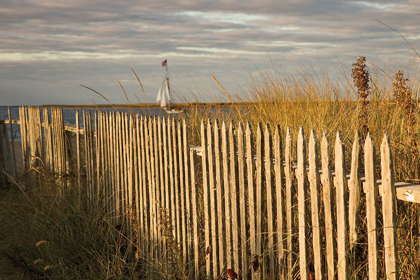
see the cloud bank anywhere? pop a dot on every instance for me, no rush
(48, 48)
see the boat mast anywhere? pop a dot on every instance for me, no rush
(169, 89)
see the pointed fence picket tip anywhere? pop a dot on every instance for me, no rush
(223, 125)
(301, 131)
(312, 135)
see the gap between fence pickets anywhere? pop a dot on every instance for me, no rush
(404, 191)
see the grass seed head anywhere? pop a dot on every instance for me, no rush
(401, 89)
(361, 77)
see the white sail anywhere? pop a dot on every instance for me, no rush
(161, 95)
(163, 102)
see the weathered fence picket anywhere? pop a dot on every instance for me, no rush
(328, 208)
(313, 176)
(268, 167)
(242, 201)
(206, 195)
(301, 178)
(354, 191)
(279, 175)
(227, 196)
(389, 211)
(267, 207)
(371, 207)
(288, 170)
(233, 191)
(342, 222)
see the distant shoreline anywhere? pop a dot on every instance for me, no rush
(149, 105)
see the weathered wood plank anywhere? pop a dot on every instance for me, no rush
(251, 190)
(213, 206)
(182, 192)
(88, 136)
(288, 171)
(279, 177)
(77, 150)
(98, 152)
(219, 194)
(155, 183)
(13, 141)
(195, 209)
(242, 201)
(113, 166)
(206, 199)
(145, 183)
(354, 191)
(126, 167)
(161, 183)
(236, 221)
(187, 186)
(301, 178)
(342, 224)
(268, 167)
(151, 185)
(139, 205)
(166, 163)
(22, 118)
(117, 192)
(389, 211)
(258, 189)
(314, 180)
(228, 219)
(371, 207)
(175, 159)
(48, 142)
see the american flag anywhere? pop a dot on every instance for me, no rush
(164, 63)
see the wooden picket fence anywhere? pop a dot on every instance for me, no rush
(257, 203)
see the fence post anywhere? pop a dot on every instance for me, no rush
(389, 211)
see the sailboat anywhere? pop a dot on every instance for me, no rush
(164, 94)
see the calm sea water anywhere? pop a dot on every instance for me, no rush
(69, 115)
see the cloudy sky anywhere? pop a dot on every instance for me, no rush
(48, 48)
